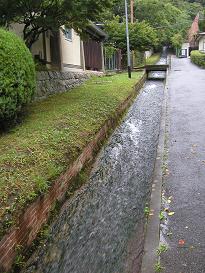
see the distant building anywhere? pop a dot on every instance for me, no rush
(201, 41)
(191, 42)
(193, 31)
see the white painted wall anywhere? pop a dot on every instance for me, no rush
(202, 43)
(148, 53)
(18, 29)
(37, 48)
(71, 52)
(185, 46)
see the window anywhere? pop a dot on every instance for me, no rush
(68, 34)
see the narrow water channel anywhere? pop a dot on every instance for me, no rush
(101, 229)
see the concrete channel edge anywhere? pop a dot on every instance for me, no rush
(152, 234)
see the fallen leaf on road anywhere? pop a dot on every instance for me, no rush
(181, 242)
(171, 213)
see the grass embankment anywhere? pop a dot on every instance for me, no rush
(51, 137)
(153, 59)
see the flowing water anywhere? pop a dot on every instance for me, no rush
(101, 229)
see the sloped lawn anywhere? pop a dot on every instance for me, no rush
(52, 135)
(153, 59)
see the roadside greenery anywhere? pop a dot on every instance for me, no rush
(198, 58)
(167, 18)
(139, 59)
(153, 59)
(142, 35)
(17, 76)
(157, 23)
(51, 137)
(177, 40)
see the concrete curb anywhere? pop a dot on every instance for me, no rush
(152, 236)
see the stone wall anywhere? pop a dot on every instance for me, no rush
(52, 82)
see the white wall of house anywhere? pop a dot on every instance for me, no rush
(71, 51)
(18, 29)
(37, 47)
(185, 49)
(148, 53)
(202, 43)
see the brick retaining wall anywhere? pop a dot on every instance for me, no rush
(37, 214)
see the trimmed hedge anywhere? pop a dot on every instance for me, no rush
(17, 75)
(198, 58)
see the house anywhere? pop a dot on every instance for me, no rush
(191, 42)
(184, 51)
(201, 41)
(63, 50)
(193, 32)
(93, 49)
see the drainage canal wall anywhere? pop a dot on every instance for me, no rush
(101, 228)
(37, 214)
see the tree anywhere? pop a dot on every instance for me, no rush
(177, 40)
(38, 16)
(164, 16)
(142, 35)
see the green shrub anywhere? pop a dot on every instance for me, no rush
(17, 75)
(198, 58)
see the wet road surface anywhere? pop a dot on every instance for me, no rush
(184, 232)
(101, 229)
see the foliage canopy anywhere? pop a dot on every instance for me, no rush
(142, 35)
(38, 16)
(169, 19)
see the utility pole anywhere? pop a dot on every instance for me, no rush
(128, 42)
(132, 22)
(132, 11)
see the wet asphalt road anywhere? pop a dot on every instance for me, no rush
(186, 164)
(101, 229)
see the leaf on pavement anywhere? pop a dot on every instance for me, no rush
(171, 213)
(181, 242)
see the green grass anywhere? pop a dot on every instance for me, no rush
(153, 59)
(52, 135)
